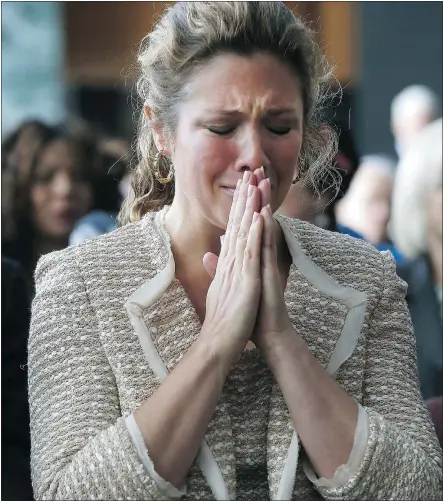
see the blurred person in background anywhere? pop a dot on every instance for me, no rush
(302, 202)
(110, 193)
(365, 209)
(417, 231)
(20, 146)
(412, 109)
(49, 180)
(16, 442)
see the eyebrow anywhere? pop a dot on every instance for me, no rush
(272, 112)
(281, 111)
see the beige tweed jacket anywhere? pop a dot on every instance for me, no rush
(106, 329)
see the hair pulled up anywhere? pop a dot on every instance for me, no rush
(188, 35)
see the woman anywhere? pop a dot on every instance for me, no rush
(142, 368)
(111, 191)
(416, 227)
(49, 178)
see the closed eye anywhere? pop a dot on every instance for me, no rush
(279, 131)
(221, 131)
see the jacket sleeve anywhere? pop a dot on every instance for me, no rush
(403, 458)
(80, 445)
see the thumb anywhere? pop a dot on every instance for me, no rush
(210, 261)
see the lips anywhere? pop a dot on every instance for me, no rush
(229, 191)
(67, 213)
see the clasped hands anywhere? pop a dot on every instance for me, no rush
(246, 297)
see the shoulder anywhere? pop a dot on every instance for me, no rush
(349, 261)
(327, 247)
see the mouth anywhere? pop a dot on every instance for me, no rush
(68, 213)
(228, 191)
(231, 190)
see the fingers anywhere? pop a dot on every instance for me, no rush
(264, 185)
(252, 206)
(248, 198)
(238, 213)
(265, 192)
(252, 252)
(225, 247)
(259, 175)
(269, 245)
(210, 261)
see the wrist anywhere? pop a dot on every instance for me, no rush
(220, 354)
(283, 345)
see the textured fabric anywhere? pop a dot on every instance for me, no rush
(87, 372)
(250, 382)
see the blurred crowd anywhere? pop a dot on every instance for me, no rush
(63, 184)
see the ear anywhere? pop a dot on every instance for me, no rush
(158, 132)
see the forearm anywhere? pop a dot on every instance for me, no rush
(174, 419)
(324, 415)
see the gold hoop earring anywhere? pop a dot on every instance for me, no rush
(158, 176)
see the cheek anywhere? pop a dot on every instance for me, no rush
(201, 159)
(39, 199)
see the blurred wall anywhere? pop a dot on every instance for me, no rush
(102, 37)
(32, 62)
(400, 44)
(102, 41)
(81, 55)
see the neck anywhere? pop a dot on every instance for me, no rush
(435, 254)
(192, 236)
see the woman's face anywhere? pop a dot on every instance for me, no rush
(242, 113)
(60, 195)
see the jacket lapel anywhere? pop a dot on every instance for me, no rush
(167, 324)
(329, 317)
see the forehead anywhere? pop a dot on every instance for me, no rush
(247, 84)
(60, 151)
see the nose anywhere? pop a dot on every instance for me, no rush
(252, 154)
(62, 185)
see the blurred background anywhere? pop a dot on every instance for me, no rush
(61, 58)
(68, 120)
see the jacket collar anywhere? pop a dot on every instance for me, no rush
(147, 306)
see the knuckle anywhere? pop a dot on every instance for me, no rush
(249, 254)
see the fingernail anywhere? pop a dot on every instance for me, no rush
(255, 217)
(250, 190)
(245, 176)
(262, 169)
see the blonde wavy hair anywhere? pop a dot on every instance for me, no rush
(186, 37)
